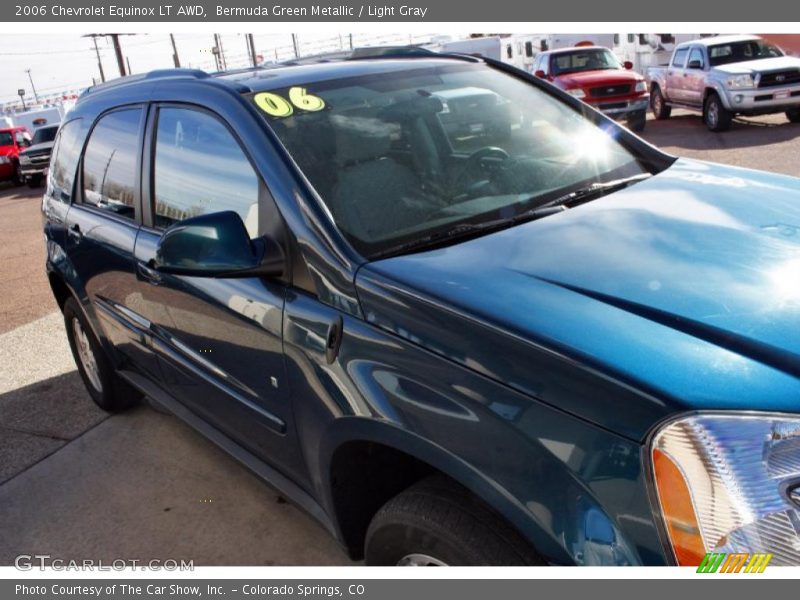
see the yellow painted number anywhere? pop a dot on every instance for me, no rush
(278, 106)
(305, 101)
(273, 105)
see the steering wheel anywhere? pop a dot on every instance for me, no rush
(473, 161)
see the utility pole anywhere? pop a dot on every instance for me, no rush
(219, 53)
(175, 58)
(35, 95)
(251, 46)
(118, 51)
(294, 43)
(128, 62)
(99, 62)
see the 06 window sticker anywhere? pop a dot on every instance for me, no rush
(280, 106)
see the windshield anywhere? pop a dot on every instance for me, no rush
(401, 155)
(592, 59)
(734, 52)
(6, 139)
(44, 134)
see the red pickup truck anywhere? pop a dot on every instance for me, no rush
(596, 76)
(13, 140)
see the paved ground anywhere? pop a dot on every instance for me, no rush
(75, 483)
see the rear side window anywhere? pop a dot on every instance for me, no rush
(200, 168)
(680, 57)
(64, 160)
(110, 163)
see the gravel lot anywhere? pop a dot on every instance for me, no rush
(76, 483)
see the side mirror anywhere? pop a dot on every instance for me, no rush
(217, 245)
(695, 64)
(540, 73)
(628, 65)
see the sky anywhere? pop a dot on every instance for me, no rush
(60, 63)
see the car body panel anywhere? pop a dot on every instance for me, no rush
(686, 258)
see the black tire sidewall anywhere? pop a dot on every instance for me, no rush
(105, 398)
(724, 117)
(390, 543)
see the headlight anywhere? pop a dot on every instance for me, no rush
(741, 81)
(729, 483)
(578, 93)
(641, 86)
(4, 160)
(24, 160)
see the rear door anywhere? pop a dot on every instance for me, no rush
(676, 86)
(101, 228)
(219, 339)
(695, 76)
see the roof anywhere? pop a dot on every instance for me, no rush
(719, 39)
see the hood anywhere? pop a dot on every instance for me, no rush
(601, 77)
(762, 65)
(43, 148)
(679, 293)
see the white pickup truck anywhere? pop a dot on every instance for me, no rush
(724, 76)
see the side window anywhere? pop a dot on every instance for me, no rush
(696, 55)
(680, 57)
(23, 138)
(110, 161)
(528, 49)
(200, 168)
(616, 39)
(631, 38)
(64, 161)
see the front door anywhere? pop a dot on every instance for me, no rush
(219, 339)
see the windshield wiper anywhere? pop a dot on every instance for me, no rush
(590, 192)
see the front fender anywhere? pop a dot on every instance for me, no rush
(575, 491)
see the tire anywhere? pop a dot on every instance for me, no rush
(638, 122)
(660, 109)
(715, 115)
(35, 181)
(437, 522)
(106, 388)
(793, 114)
(16, 178)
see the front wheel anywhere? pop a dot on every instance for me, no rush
(638, 121)
(793, 114)
(438, 523)
(34, 181)
(105, 387)
(715, 115)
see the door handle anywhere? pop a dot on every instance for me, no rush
(75, 233)
(148, 273)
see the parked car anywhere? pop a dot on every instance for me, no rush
(565, 348)
(596, 76)
(34, 160)
(725, 76)
(12, 141)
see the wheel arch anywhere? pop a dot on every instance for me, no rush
(417, 458)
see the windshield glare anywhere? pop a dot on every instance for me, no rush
(400, 156)
(724, 54)
(44, 134)
(584, 60)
